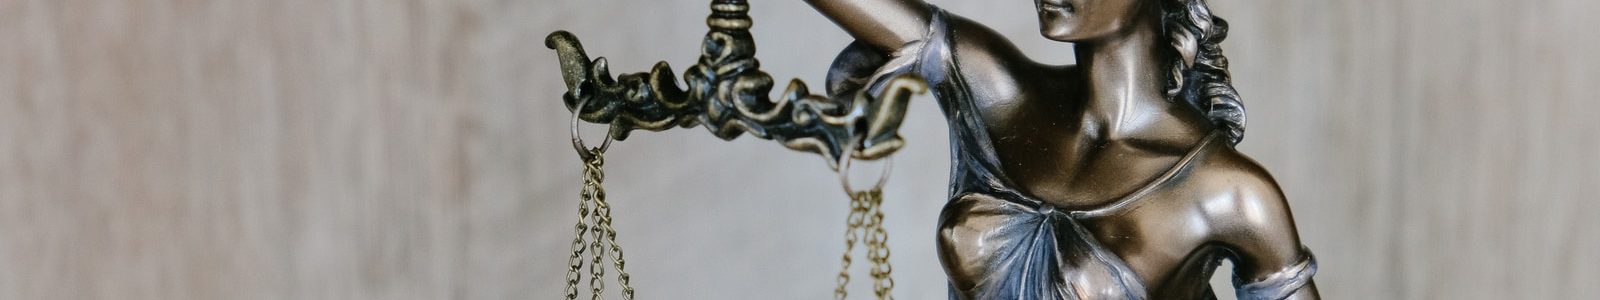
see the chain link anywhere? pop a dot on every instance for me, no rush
(852, 233)
(597, 223)
(575, 262)
(865, 224)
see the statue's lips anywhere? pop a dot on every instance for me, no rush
(1047, 6)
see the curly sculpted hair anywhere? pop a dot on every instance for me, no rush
(1199, 71)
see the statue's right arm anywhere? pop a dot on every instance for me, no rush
(885, 24)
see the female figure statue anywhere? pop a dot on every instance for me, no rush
(1113, 178)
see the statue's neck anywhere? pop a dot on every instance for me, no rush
(1127, 78)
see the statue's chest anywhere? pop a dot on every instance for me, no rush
(1157, 237)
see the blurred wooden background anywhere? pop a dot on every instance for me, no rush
(315, 149)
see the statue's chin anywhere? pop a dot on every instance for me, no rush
(1059, 34)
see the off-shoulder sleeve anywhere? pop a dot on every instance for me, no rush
(1280, 284)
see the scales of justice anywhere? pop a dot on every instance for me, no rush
(1115, 178)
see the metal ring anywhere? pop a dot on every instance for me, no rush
(844, 168)
(577, 140)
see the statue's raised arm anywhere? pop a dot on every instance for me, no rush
(885, 24)
(728, 93)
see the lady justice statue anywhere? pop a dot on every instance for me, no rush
(1115, 178)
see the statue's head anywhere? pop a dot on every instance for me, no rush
(1199, 73)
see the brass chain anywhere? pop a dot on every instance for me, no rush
(878, 247)
(852, 233)
(866, 223)
(575, 262)
(598, 223)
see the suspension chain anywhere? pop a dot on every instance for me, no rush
(597, 223)
(866, 222)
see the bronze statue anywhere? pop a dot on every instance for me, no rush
(1113, 178)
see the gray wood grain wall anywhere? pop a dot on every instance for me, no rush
(309, 149)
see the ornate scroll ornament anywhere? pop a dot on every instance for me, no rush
(727, 92)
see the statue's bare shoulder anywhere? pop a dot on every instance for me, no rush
(1246, 211)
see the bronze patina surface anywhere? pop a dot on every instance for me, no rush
(1113, 178)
